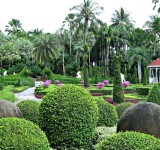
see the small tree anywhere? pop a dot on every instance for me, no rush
(145, 77)
(118, 95)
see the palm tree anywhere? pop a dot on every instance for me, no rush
(46, 48)
(153, 26)
(138, 56)
(87, 14)
(14, 26)
(122, 17)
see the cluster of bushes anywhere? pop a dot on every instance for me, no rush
(24, 82)
(7, 95)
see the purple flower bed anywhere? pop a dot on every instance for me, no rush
(57, 82)
(126, 83)
(106, 82)
(100, 85)
(46, 83)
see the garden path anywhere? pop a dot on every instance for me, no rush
(27, 94)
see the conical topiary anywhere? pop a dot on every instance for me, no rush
(154, 95)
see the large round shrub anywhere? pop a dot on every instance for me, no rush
(68, 115)
(141, 117)
(30, 110)
(129, 141)
(20, 134)
(122, 107)
(9, 109)
(107, 113)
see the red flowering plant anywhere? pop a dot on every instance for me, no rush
(46, 83)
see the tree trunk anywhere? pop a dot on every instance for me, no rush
(139, 72)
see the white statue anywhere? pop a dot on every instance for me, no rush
(122, 77)
(5, 73)
(78, 74)
(14, 73)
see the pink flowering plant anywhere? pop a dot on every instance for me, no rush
(126, 84)
(100, 85)
(47, 83)
(57, 82)
(106, 82)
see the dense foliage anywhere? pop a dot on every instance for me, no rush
(68, 115)
(30, 110)
(107, 113)
(20, 134)
(129, 141)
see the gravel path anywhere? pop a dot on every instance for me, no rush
(26, 95)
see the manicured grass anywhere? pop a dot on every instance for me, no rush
(15, 89)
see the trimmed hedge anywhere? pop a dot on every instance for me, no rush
(129, 141)
(68, 115)
(154, 94)
(107, 113)
(120, 108)
(7, 95)
(24, 82)
(106, 92)
(142, 91)
(30, 110)
(20, 134)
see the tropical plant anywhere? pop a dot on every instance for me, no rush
(46, 48)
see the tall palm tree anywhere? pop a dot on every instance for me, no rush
(87, 14)
(138, 56)
(122, 17)
(46, 48)
(14, 26)
(153, 26)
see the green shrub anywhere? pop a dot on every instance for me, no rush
(25, 72)
(30, 110)
(104, 91)
(31, 81)
(129, 141)
(154, 94)
(86, 77)
(7, 95)
(20, 134)
(68, 115)
(24, 82)
(142, 91)
(107, 113)
(118, 94)
(17, 83)
(122, 107)
(96, 74)
(1, 82)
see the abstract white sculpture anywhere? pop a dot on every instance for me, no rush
(78, 74)
(5, 73)
(122, 77)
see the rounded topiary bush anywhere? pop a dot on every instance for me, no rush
(9, 109)
(107, 113)
(142, 117)
(122, 107)
(129, 141)
(20, 134)
(154, 94)
(30, 110)
(68, 115)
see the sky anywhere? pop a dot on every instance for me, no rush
(49, 14)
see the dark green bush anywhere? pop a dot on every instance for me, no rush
(47, 72)
(68, 115)
(129, 141)
(118, 94)
(31, 81)
(142, 91)
(20, 134)
(104, 91)
(154, 94)
(86, 77)
(30, 110)
(107, 113)
(17, 83)
(25, 72)
(1, 82)
(122, 107)
(24, 82)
